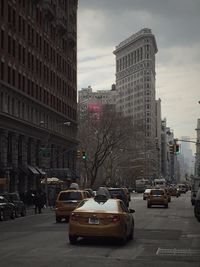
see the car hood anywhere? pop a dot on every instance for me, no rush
(4, 204)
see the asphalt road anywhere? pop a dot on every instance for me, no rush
(163, 237)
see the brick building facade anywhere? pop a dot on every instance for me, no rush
(38, 89)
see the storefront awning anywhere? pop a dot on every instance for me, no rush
(61, 173)
(33, 170)
(41, 171)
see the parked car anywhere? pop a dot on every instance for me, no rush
(101, 217)
(20, 208)
(168, 193)
(127, 193)
(67, 201)
(174, 192)
(157, 197)
(146, 193)
(197, 205)
(90, 191)
(182, 188)
(7, 209)
(119, 193)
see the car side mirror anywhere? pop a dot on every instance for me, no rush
(131, 210)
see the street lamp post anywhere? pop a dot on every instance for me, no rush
(68, 123)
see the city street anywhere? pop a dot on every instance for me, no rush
(163, 237)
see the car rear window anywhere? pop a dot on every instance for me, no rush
(14, 197)
(64, 196)
(157, 192)
(147, 190)
(92, 205)
(116, 192)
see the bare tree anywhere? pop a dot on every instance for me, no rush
(102, 134)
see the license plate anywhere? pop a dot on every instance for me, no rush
(93, 221)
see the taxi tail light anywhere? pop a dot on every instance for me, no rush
(74, 217)
(115, 218)
(59, 204)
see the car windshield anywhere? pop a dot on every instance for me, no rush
(92, 205)
(2, 199)
(64, 196)
(157, 192)
(116, 192)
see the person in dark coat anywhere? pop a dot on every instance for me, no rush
(39, 201)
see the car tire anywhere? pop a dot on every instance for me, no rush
(2, 217)
(16, 214)
(166, 206)
(122, 241)
(58, 219)
(131, 236)
(148, 205)
(12, 216)
(23, 213)
(73, 239)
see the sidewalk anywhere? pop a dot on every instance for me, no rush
(31, 210)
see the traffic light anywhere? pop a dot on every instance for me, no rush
(177, 149)
(78, 154)
(171, 149)
(83, 155)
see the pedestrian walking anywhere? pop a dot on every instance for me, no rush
(39, 201)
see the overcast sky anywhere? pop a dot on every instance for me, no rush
(103, 24)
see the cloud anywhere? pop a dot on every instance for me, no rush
(175, 23)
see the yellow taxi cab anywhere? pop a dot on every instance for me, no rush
(101, 217)
(67, 201)
(157, 197)
(146, 193)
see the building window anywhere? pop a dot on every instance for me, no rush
(9, 150)
(13, 18)
(29, 86)
(20, 149)
(13, 77)
(9, 74)
(8, 104)
(23, 83)
(23, 27)
(19, 81)
(13, 106)
(19, 24)
(13, 48)
(2, 101)
(2, 8)
(29, 33)
(9, 44)
(2, 70)
(2, 39)
(19, 52)
(23, 110)
(23, 55)
(9, 14)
